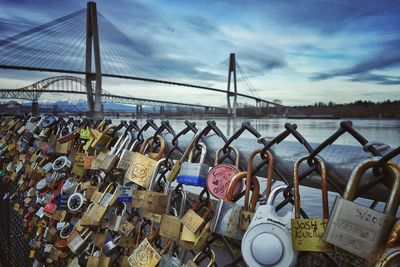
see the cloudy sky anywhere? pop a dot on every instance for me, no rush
(300, 51)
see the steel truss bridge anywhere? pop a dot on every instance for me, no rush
(77, 85)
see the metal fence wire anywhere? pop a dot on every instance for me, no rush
(16, 242)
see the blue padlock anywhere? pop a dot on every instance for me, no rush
(194, 173)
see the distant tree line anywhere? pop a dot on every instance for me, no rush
(357, 109)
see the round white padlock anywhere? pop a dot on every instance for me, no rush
(268, 240)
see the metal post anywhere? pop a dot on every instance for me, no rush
(232, 69)
(92, 38)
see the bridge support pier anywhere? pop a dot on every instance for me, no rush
(232, 70)
(35, 108)
(139, 111)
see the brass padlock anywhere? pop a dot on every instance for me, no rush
(194, 222)
(142, 167)
(307, 233)
(171, 225)
(103, 139)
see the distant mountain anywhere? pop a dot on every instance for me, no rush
(82, 106)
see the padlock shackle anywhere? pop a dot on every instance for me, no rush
(126, 140)
(250, 176)
(211, 255)
(202, 155)
(235, 151)
(237, 178)
(274, 193)
(391, 168)
(324, 187)
(116, 145)
(145, 143)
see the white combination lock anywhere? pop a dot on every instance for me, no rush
(268, 240)
(76, 200)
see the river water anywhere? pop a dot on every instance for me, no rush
(315, 131)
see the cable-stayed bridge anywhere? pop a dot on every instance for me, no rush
(86, 43)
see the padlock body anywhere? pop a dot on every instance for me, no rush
(226, 220)
(357, 229)
(125, 159)
(267, 225)
(193, 174)
(307, 235)
(169, 261)
(108, 163)
(115, 222)
(218, 180)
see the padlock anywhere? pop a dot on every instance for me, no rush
(115, 152)
(194, 173)
(95, 215)
(307, 233)
(111, 246)
(226, 220)
(247, 212)
(76, 240)
(169, 261)
(151, 201)
(358, 229)
(69, 186)
(144, 255)
(174, 172)
(117, 218)
(220, 175)
(61, 164)
(196, 260)
(77, 165)
(103, 139)
(171, 225)
(268, 241)
(193, 221)
(142, 167)
(126, 157)
(76, 200)
(389, 256)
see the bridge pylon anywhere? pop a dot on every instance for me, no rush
(35, 108)
(92, 41)
(232, 70)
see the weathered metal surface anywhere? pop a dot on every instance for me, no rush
(340, 160)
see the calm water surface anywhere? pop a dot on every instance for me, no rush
(315, 131)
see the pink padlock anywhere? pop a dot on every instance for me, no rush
(221, 174)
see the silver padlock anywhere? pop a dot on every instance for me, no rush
(76, 200)
(110, 247)
(68, 187)
(358, 229)
(126, 157)
(194, 173)
(115, 152)
(169, 261)
(268, 239)
(117, 218)
(79, 240)
(226, 220)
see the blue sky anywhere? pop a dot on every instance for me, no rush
(300, 51)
